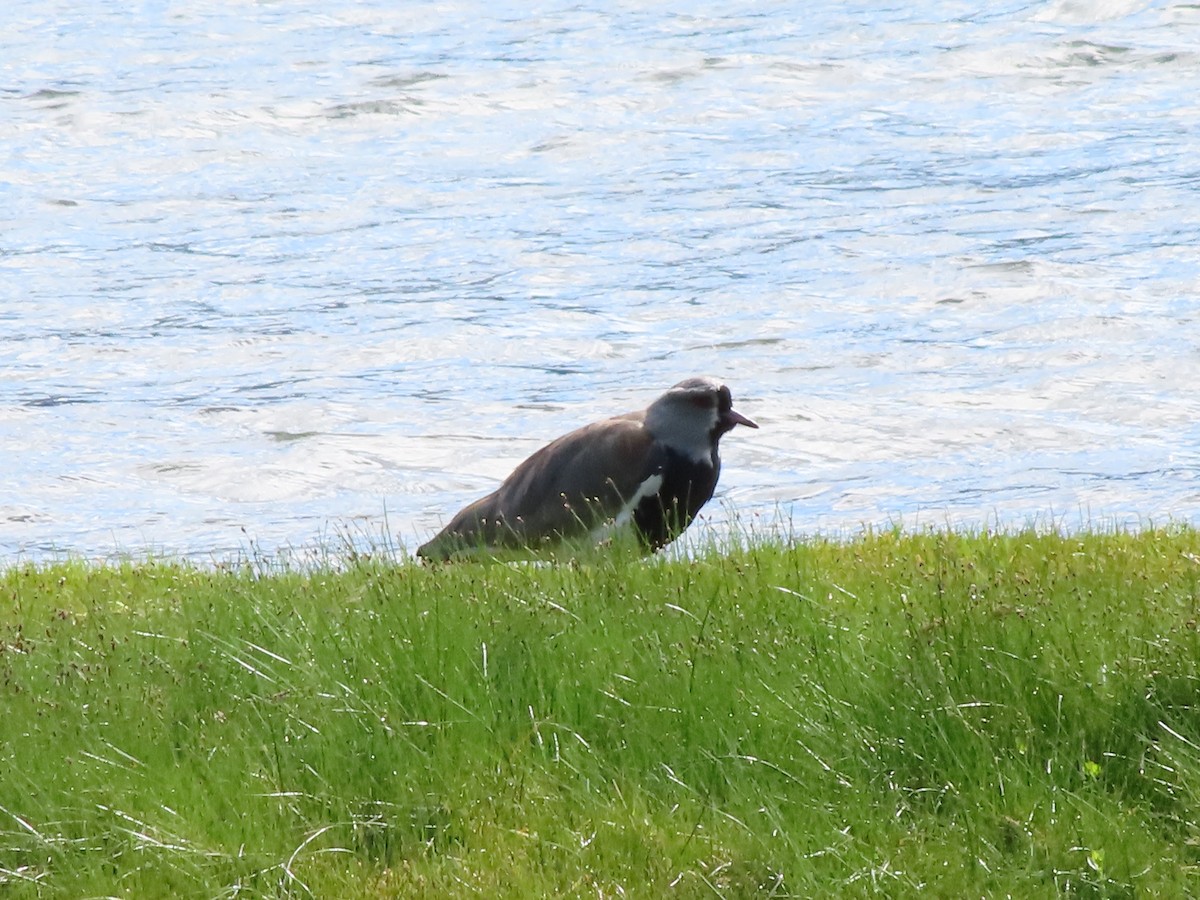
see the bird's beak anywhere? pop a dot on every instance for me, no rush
(733, 417)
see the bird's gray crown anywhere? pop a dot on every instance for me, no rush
(686, 417)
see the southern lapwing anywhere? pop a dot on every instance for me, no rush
(651, 470)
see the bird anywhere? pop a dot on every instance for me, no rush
(649, 471)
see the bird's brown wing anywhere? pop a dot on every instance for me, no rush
(564, 490)
(579, 481)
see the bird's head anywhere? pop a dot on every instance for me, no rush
(692, 416)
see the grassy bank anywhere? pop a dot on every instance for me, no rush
(928, 715)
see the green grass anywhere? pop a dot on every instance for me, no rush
(895, 715)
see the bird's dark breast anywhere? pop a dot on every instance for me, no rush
(687, 486)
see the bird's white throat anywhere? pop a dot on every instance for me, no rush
(685, 429)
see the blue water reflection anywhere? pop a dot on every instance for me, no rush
(273, 272)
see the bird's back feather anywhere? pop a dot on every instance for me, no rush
(566, 489)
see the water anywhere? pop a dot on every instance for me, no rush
(276, 273)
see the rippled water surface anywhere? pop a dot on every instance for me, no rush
(273, 273)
